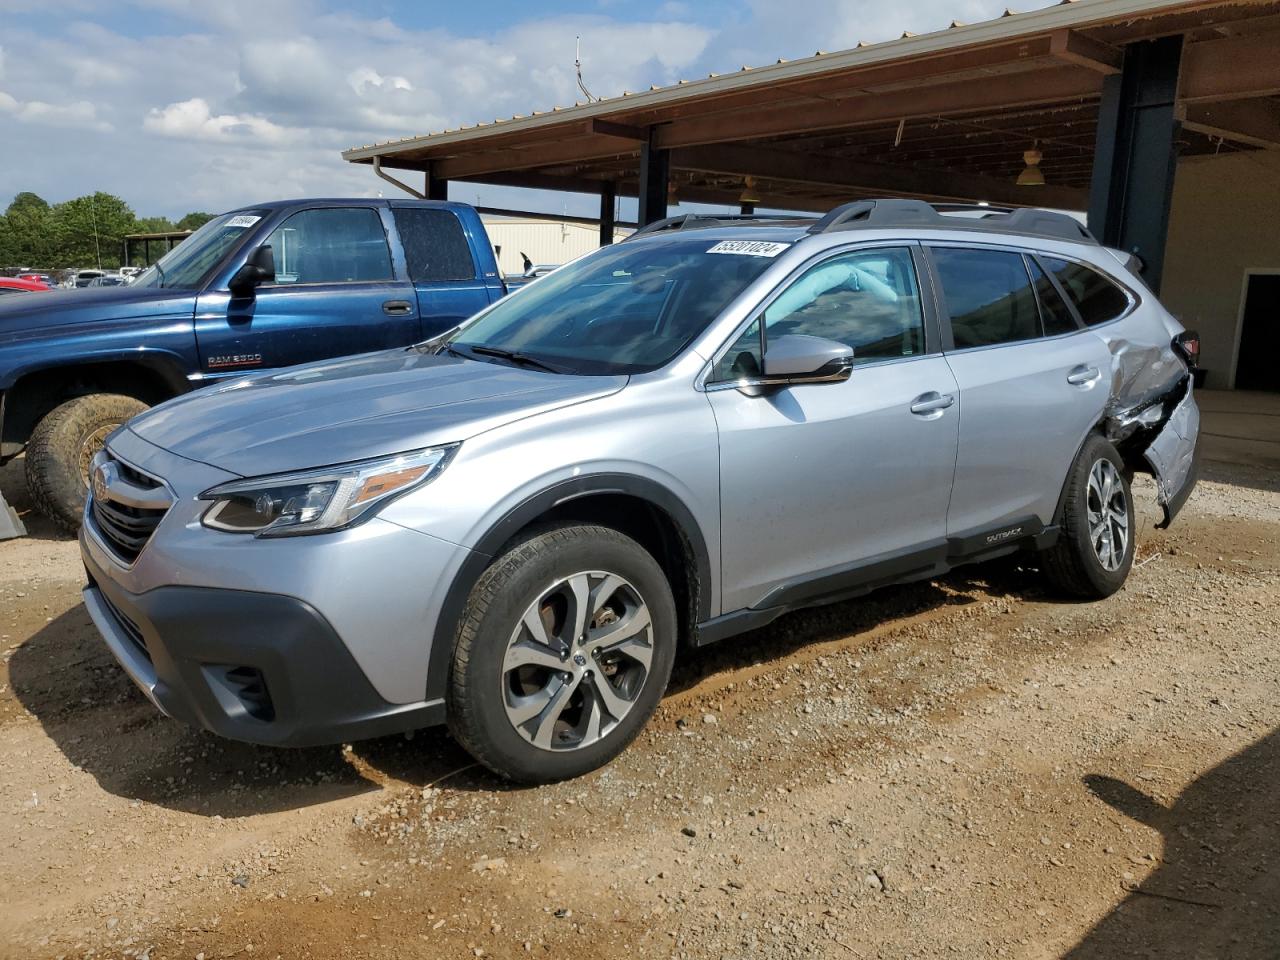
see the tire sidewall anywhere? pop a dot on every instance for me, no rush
(1104, 581)
(53, 453)
(518, 587)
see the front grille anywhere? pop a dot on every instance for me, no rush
(128, 627)
(125, 526)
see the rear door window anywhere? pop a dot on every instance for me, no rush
(988, 295)
(434, 245)
(1054, 312)
(1096, 298)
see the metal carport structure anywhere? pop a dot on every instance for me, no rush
(1110, 92)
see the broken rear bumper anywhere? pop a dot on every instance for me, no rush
(1174, 455)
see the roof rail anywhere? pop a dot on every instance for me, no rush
(874, 214)
(688, 221)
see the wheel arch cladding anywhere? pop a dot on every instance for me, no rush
(642, 509)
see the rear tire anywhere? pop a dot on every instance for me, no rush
(564, 651)
(1095, 547)
(61, 447)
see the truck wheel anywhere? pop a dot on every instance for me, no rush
(61, 448)
(563, 653)
(1095, 547)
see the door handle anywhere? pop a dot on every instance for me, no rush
(931, 402)
(397, 308)
(1083, 376)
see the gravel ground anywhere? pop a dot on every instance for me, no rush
(966, 767)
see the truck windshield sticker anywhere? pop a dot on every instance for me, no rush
(749, 248)
(244, 220)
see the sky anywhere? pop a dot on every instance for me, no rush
(181, 105)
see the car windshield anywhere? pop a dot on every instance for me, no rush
(185, 265)
(625, 309)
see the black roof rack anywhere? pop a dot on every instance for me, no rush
(690, 221)
(1026, 221)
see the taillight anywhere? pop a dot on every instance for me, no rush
(1187, 343)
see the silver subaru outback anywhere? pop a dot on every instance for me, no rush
(515, 528)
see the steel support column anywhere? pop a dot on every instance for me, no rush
(655, 170)
(608, 194)
(437, 187)
(1134, 160)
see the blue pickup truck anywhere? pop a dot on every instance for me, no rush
(270, 285)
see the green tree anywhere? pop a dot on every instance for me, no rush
(195, 220)
(153, 225)
(26, 232)
(88, 230)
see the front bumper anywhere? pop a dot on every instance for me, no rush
(257, 667)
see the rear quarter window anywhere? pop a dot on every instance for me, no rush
(1096, 298)
(434, 245)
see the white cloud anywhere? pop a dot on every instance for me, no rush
(79, 114)
(192, 118)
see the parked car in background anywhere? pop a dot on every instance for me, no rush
(108, 280)
(44, 278)
(516, 527)
(267, 286)
(82, 278)
(19, 285)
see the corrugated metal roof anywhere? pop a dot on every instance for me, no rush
(1008, 26)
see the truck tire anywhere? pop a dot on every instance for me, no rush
(1095, 547)
(563, 652)
(61, 447)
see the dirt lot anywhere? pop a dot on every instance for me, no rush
(961, 768)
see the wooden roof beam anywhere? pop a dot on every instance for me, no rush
(1255, 122)
(1048, 86)
(1070, 46)
(1233, 68)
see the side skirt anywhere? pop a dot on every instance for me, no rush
(857, 579)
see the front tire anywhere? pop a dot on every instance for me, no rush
(1095, 547)
(61, 447)
(563, 653)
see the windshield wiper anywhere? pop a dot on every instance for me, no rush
(511, 356)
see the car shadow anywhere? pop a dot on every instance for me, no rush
(65, 676)
(1216, 892)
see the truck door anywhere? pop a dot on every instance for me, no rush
(442, 267)
(335, 293)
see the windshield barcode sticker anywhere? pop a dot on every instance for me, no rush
(244, 220)
(749, 248)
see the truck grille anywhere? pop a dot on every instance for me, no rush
(126, 505)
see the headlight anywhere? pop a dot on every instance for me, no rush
(316, 501)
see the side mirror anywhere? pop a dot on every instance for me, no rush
(796, 358)
(260, 267)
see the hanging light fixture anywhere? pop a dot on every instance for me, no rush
(748, 195)
(1031, 175)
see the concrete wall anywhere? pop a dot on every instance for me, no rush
(1225, 220)
(545, 241)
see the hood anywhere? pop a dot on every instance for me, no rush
(90, 304)
(355, 409)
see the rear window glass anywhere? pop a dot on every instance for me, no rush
(1095, 297)
(988, 296)
(434, 245)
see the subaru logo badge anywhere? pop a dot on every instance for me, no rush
(104, 474)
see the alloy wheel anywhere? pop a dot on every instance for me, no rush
(1108, 512)
(577, 661)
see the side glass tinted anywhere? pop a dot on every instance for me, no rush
(1053, 309)
(988, 296)
(868, 299)
(1096, 297)
(331, 245)
(434, 245)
